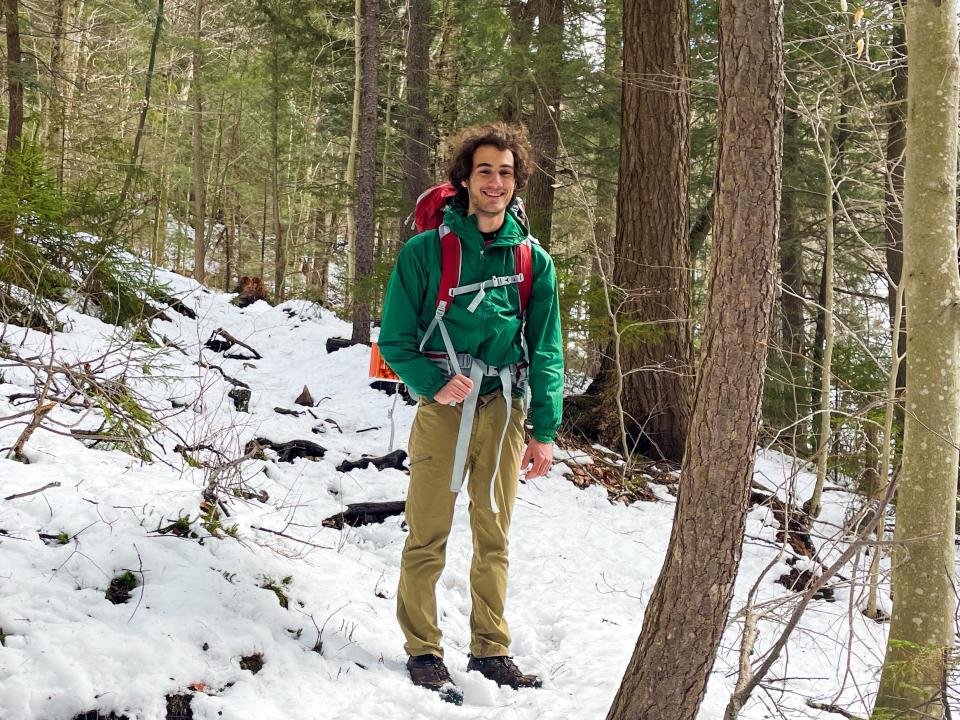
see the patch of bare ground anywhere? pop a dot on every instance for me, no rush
(178, 707)
(253, 663)
(604, 468)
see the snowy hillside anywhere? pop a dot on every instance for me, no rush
(315, 605)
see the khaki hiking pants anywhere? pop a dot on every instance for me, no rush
(429, 514)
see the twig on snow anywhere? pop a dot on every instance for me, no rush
(33, 492)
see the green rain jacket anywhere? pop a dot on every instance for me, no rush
(492, 332)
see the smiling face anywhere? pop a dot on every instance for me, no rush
(490, 186)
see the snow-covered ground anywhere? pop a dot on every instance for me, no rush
(581, 570)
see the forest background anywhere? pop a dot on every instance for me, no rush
(287, 141)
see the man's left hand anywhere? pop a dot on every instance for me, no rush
(540, 455)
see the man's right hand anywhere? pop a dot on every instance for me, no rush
(455, 391)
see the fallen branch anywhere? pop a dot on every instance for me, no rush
(365, 513)
(874, 518)
(38, 414)
(284, 411)
(833, 709)
(32, 492)
(233, 341)
(290, 537)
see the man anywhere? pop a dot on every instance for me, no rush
(483, 323)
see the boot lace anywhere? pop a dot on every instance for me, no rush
(438, 668)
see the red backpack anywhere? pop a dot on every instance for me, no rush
(428, 215)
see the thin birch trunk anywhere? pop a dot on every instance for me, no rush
(199, 180)
(813, 505)
(145, 106)
(352, 152)
(280, 256)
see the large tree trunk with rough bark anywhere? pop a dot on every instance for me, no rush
(11, 19)
(545, 125)
(416, 151)
(652, 253)
(367, 171)
(687, 612)
(924, 597)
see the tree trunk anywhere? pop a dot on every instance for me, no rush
(517, 87)
(687, 612)
(447, 72)
(545, 128)
(158, 246)
(199, 180)
(144, 107)
(812, 506)
(652, 255)
(280, 245)
(924, 600)
(11, 18)
(793, 403)
(55, 111)
(351, 172)
(893, 189)
(605, 219)
(416, 151)
(605, 215)
(367, 175)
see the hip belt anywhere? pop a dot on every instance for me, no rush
(476, 370)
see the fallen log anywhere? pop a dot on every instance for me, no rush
(287, 451)
(390, 460)
(366, 513)
(335, 343)
(226, 341)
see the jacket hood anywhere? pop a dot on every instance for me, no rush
(513, 231)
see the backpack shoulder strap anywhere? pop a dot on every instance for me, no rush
(449, 265)
(523, 263)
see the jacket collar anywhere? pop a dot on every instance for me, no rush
(463, 226)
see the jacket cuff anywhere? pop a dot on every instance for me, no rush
(544, 436)
(435, 388)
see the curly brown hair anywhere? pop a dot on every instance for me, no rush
(502, 136)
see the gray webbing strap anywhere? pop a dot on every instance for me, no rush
(477, 372)
(393, 421)
(447, 343)
(466, 428)
(480, 288)
(505, 381)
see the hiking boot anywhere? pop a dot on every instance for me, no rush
(428, 671)
(503, 671)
